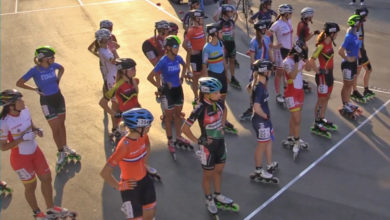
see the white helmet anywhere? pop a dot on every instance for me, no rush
(102, 34)
(307, 12)
(285, 8)
(107, 24)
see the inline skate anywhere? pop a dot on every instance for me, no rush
(229, 128)
(358, 97)
(153, 173)
(247, 115)
(4, 189)
(182, 143)
(260, 175)
(368, 94)
(280, 100)
(224, 203)
(171, 148)
(320, 129)
(306, 86)
(56, 213)
(234, 83)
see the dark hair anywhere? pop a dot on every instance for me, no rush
(5, 111)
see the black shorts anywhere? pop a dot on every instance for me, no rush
(284, 52)
(196, 63)
(214, 153)
(363, 60)
(222, 78)
(53, 105)
(328, 76)
(141, 197)
(349, 70)
(230, 49)
(149, 51)
(172, 97)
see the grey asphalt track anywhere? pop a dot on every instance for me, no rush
(352, 182)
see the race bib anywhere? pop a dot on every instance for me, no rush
(193, 66)
(323, 89)
(45, 110)
(150, 55)
(290, 102)
(24, 175)
(347, 73)
(264, 133)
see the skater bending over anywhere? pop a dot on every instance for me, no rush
(47, 76)
(324, 75)
(211, 115)
(17, 133)
(136, 187)
(261, 122)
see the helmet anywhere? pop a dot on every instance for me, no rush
(196, 13)
(285, 8)
(330, 27)
(173, 27)
(262, 66)
(227, 8)
(353, 20)
(44, 51)
(307, 12)
(137, 118)
(163, 24)
(107, 24)
(102, 34)
(193, 2)
(209, 84)
(363, 12)
(125, 63)
(212, 28)
(171, 40)
(262, 24)
(266, 2)
(9, 96)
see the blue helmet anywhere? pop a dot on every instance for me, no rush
(137, 118)
(209, 84)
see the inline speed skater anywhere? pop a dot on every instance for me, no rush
(363, 62)
(259, 48)
(136, 187)
(283, 31)
(214, 63)
(349, 51)
(265, 12)
(172, 92)
(112, 44)
(294, 94)
(261, 122)
(324, 77)
(211, 115)
(47, 76)
(18, 134)
(195, 41)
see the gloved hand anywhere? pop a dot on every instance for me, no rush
(203, 141)
(28, 136)
(316, 32)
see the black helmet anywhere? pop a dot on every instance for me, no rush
(171, 40)
(262, 24)
(193, 2)
(362, 12)
(197, 13)
(227, 8)
(173, 27)
(125, 63)
(9, 96)
(44, 51)
(213, 28)
(330, 27)
(262, 66)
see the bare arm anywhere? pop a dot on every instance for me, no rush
(60, 73)
(91, 48)
(152, 79)
(22, 84)
(258, 110)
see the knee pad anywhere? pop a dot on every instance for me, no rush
(127, 208)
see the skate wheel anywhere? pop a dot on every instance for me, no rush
(235, 207)
(275, 180)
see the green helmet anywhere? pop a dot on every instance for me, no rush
(354, 20)
(172, 40)
(44, 51)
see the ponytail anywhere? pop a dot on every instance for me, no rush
(278, 17)
(4, 112)
(321, 37)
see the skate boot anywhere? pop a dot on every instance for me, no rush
(302, 144)
(153, 173)
(355, 108)
(368, 94)
(280, 100)
(273, 167)
(263, 176)
(306, 86)
(319, 129)
(288, 143)
(295, 150)
(211, 207)
(247, 115)
(4, 189)
(183, 143)
(171, 148)
(72, 154)
(329, 125)
(225, 203)
(358, 97)
(229, 128)
(61, 161)
(60, 213)
(38, 215)
(348, 112)
(234, 83)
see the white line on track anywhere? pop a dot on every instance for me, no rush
(68, 6)
(316, 162)
(81, 3)
(16, 6)
(338, 82)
